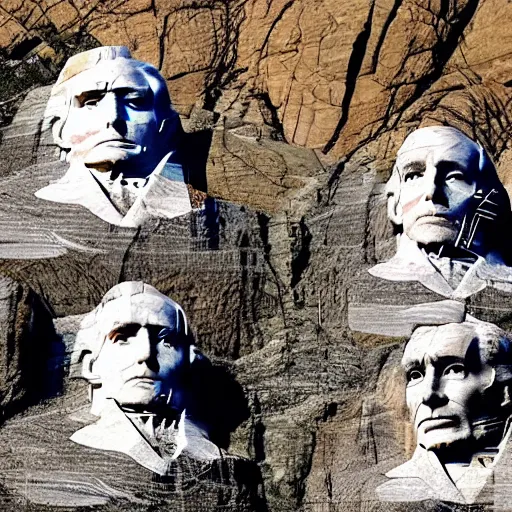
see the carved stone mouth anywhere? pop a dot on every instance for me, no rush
(438, 218)
(144, 379)
(438, 423)
(120, 143)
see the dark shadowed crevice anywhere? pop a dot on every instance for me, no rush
(300, 252)
(222, 70)
(271, 117)
(382, 37)
(37, 143)
(23, 48)
(127, 254)
(263, 221)
(259, 442)
(243, 314)
(29, 373)
(277, 19)
(354, 67)
(161, 42)
(305, 470)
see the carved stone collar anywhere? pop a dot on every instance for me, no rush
(165, 195)
(115, 431)
(411, 264)
(424, 477)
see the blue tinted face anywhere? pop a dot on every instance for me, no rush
(113, 118)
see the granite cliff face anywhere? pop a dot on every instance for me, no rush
(293, 110)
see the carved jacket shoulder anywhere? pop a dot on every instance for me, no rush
(39, 444)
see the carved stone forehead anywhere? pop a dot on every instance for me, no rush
(432, 343)
(113, 74)
(445, 140)
(142, 309)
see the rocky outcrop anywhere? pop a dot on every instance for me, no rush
(293, 110)
(30, 365)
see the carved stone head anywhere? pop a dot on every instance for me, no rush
(134, 347)
(109, 110)
(458, 384)
(440, 179)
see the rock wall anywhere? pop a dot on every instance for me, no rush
(294, 110)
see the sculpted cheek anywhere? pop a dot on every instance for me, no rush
(413, 403)
(79, 138)
(411, 204)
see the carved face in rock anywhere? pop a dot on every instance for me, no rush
(114, 117)
(449, 373)
(144, 355)
(438, 170)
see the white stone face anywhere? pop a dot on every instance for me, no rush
(113, 118)
(439, 172)
(142, 358)
(447, 376)
(135, 351)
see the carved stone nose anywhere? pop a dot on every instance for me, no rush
(430, 182)
(143, 344)
(110, 108)
(433, 397)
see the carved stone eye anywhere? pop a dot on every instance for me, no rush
(166, 336)
(120, 338)
(455, 371)
(137, 103)
(413, 175)
(91, 103)
(455, 175)
(120, 335)
(414, 376)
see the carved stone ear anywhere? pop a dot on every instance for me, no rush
(485, 163)
(167, 132)
(169, 128)
(195, 354)
(57, 138)
(87, 374)
(56, 132)
(395, 213)
(506, 396)
(394, 210)
(164, 126)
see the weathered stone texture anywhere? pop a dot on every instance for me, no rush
(26, 352)
(298, 108)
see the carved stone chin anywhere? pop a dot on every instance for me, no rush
(112, 117)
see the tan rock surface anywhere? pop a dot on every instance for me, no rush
(333, 75)
(299, 108)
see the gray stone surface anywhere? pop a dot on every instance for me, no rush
(27, 348)
(351, 82)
